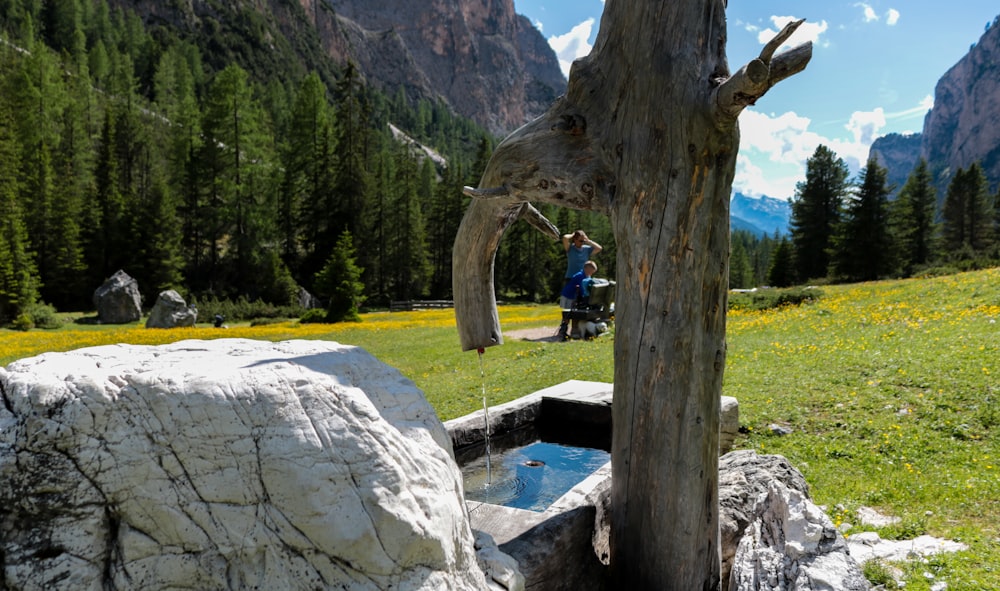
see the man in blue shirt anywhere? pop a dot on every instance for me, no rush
(578, 286)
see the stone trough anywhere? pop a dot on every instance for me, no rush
(564, 546)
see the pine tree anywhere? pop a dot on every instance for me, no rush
(440, 203)
(740, 273)
(967, 218)
(181, 138)
(761, 253)
(39, 100)
(73, 163)
(913, 219)
(996, 218)
(407, 264)
(233, 160)
(527, 261)
(352, 181)
(126, 151)
(816, 212)
(862, 246)
(307, 194)
(18, 277)
(782, 272)
(158, 234)
(61, 19)
(340, 282)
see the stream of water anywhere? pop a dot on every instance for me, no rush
(486, 418)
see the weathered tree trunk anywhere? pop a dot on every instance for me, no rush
(646, 133)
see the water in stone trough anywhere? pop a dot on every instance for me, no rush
(530, 477)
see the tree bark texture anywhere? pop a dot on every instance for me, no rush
(646, 133)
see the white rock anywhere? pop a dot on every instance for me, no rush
(865, 546)
(502, 572)
(226, 464)
(873, 518)
(793, 546)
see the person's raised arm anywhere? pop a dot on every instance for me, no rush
(595, 246)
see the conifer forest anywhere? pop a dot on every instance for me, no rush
(124, 147)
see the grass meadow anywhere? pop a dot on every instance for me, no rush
(891, 390)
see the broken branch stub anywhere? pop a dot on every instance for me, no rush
(754, 79)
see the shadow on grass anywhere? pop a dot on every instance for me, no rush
(88, 320)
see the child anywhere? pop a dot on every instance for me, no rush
(577, 287)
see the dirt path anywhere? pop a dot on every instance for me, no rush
(545, 334)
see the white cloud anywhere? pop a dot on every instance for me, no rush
(869, 12)
(572, 45)
(753, 182)
(774, 149)
(914, 112)
(864, 125)
(784, 139)
(540, 26)
(807, 31)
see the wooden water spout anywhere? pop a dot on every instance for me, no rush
(548, 160)
(647, 133)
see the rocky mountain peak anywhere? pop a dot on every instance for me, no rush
(478, 56)
(961, 127)
(898, 154)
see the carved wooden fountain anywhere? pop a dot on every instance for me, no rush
(647, 133)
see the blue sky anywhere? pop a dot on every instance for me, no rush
(873, 72)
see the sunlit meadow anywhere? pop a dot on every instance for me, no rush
(891, 390)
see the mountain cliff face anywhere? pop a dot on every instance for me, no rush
(961, 127)
(479, 57)
(898, 154)
(485, 61)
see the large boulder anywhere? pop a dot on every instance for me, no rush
(118, 300)
(773, 536)
(793, 546)
(744, 476)
(171, 311)
(227, 464)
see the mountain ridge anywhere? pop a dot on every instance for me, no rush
(760, 215)
(483, 59)
(480, 58)
(960, 128)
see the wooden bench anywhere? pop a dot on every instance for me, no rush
(411, 305)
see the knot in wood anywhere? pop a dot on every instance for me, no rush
(571, 124)
(649, 224)
(587, 189)
(758, 71)
(543, 184)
